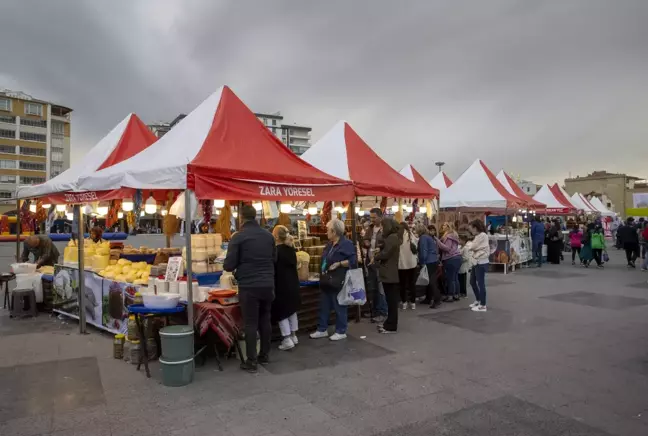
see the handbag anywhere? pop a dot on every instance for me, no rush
(606, 258)
(353, 291)
(332, 281)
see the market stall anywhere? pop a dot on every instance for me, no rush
(220, 151)
(583, 204)
(598, 205)
(554, 204)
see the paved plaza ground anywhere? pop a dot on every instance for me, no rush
(562, 351)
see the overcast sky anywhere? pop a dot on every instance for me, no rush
(540, 88)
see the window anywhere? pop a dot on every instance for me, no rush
(35, 166)
(31, 180)
(6, 194)
(7, 179)
(34, 109)
(32, 151)
(27, 136)
(8, 149)
(34, 123)
(7, 134)
(7, 119)
(274, 122)
(5, 104)
(8, 164)
(57, 128)
(56, 154)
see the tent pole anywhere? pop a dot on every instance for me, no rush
(17, 230)
(354, 233)
(80, 246)
(187, 211)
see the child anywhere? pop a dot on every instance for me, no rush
(575, 238)
(466, 265)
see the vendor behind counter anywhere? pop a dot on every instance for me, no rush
(43, 249)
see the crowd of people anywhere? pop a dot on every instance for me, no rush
(397, 260)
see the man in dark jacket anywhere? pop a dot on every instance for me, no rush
(387, 259)
(372, 240)
(537, 239)
(251, 256)
(42, 248)
(630, 239)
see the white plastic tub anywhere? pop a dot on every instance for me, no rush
(160, 301)
(23, 268)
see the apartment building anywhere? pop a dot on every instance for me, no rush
(34, 140)
(614, 189)
(296, 137)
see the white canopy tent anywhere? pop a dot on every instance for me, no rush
(554, 205)
(581, 202)
(441, 181)
(594, 201)
(478, 188)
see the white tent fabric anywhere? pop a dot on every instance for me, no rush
(164, 164)
(544, 195)
(475, 188)
(440, 181)
(600, 207)
(329, 154)
(93, 159)
(580, 202)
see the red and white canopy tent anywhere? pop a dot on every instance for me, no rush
(342, 153)
(554, 206)
(441, 181)
(563, 196)
(477, 189)
(410, 172)
(582, 203)
(514, 189)
(125, 140)
(221, 150)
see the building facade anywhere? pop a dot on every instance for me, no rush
(296, 137)
(528, 187)
(34, 140)
(615, 190)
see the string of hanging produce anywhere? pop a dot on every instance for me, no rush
(137, 210)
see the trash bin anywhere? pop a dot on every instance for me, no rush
(176, 358)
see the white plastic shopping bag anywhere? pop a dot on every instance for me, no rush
(423, 277)
(353, 291)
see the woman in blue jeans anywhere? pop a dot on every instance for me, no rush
(449, 246)
(338, 257)
(480, 248)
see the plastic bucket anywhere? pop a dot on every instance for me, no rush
(176, 374)
(177, 343)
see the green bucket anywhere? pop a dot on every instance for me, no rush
(177, 343)
(176, 374)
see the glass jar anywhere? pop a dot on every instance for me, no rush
(135, 352)
(118, 346)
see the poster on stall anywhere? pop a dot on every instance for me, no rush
(106, 301)
(65, 298)
(117, 296)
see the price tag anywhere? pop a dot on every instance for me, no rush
(173, 269)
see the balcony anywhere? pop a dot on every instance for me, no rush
(61, 118)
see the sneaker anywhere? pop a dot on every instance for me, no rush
(318, 334)
(249, 367)
(644, 269)
(263, 360)
(293, 338)
(456, 298)
(475, 304)
(338, 336)
(382, 331)
(287, 344)
(479, 309)
(404, 306)
(599, 266)
(412, 306)
(380, 319)
(435, 305)
(573, 263)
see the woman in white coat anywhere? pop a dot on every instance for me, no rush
(480, 249)
(407, 262)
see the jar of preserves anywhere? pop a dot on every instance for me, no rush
(118, 346)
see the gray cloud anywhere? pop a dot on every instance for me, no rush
(541, 89)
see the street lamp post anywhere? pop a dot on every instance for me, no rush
(439, 164)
